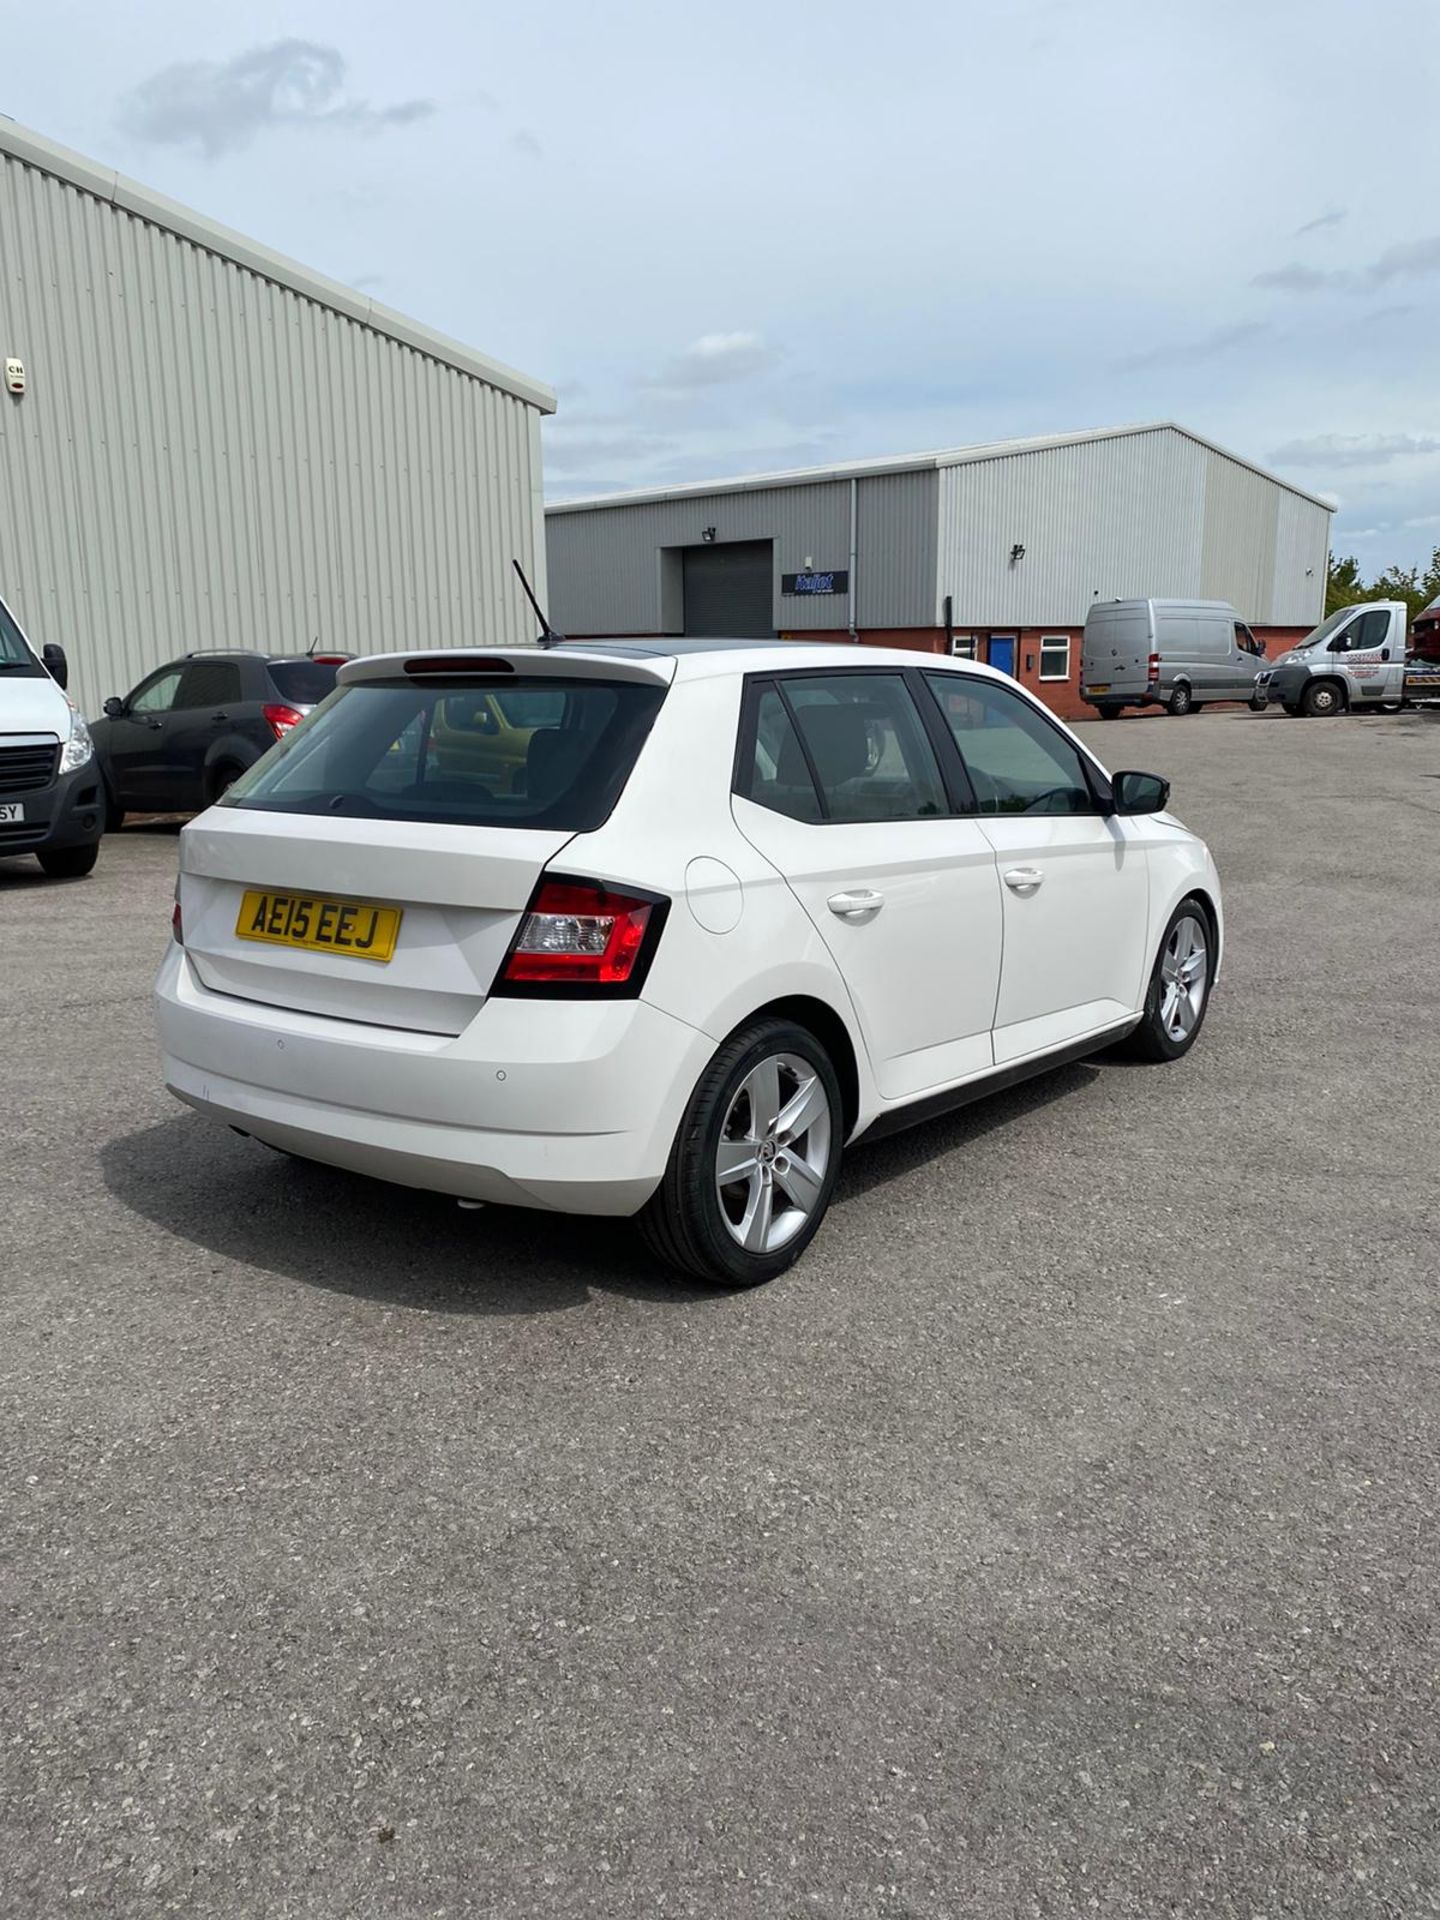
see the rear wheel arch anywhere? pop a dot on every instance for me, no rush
(821, 1019)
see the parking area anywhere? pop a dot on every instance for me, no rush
(1058, 1538)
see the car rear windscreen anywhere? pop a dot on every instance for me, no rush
(541, 752)
(304, 683)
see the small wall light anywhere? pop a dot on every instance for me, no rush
(1017, 552)
(707, 534)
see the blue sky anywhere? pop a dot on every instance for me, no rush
(773, 234)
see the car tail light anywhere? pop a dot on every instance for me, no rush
(582, 935)
(281, 719)
(177, 925)
(1154, 668)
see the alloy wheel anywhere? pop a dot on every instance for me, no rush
(1184, 975)
(774, 1152)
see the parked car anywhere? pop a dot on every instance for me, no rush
(1355, 659)
(174, 743)
(1177, 654)
(749, 903)
(51, 802)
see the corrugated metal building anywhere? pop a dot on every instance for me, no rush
(1013, 541)
(218, 448)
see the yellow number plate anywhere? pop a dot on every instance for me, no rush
(1100, 686)
(353, 927)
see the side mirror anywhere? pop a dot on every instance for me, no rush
(114, 707)
(55, 664)
(1140, 792)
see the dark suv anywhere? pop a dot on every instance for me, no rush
(175, 743)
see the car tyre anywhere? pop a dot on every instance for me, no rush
(69, 863)
(1109, 713)
(1178, 995)
(1322, 700)
(1257, 705)
(114, 813)
(1181, 700)
(767, 1110)
(221, 778)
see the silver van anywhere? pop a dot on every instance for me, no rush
(1168, 653)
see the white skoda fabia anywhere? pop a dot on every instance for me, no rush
(657, 928)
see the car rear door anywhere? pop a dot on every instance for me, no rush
(840, 787)
(1075, 879)
(208, 709)
(1115, 652)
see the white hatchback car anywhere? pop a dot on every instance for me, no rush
(654, 928)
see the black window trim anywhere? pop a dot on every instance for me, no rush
(962, 801)
(1101, 794)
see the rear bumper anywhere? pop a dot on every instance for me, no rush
(571, 1107)
(70, 812)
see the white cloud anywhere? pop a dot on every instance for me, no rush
(716, 359)
(1409, 261)
(221, 105)
(1353, 449)
(1190, 353)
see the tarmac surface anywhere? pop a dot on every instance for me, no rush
(1058, 1539)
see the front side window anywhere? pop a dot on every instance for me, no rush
(157, 695)
(1369, 631)
(1017, 761)
(402, 750)
(1055, 656)
(848, 748)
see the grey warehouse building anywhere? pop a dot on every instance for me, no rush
(997, 551)
(203, 444)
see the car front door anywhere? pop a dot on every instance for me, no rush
(1373, 662)
(1075, 878)
(840, 787)
(137, 740)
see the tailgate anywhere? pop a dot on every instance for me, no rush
(460, 892)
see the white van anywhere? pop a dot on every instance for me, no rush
(1176, 654)
(51, 803)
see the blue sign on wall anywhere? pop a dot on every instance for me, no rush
(816, 582)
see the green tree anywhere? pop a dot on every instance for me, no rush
(1345, 588)
(1343, 585)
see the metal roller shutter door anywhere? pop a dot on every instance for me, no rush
(729, 590)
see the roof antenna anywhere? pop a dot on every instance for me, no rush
(547, 637)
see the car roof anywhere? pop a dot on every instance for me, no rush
(655, 659)
(331, 656)
(697, 659)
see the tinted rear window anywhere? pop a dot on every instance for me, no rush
(304, 683)
(460, 752)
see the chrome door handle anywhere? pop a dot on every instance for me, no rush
(859, 905)
(1024, 879)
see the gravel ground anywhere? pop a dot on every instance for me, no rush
(1058, 1539)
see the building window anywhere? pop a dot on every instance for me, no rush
(962, 646)
(1054, 656)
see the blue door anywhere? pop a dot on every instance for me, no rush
(1002, 652)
